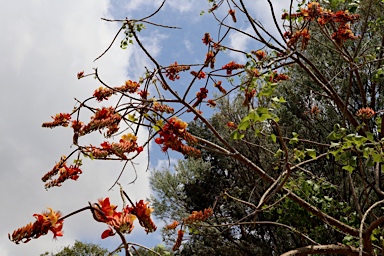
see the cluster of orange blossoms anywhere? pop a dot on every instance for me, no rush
(198, 75)
(103, 118)
(162, 108)
(127, 144)
(207, 39)
(340, 20)
(180, 234)
(200, 96)
(172, 72)
(275, 77)
(365, 113)
(210, 60)
(218, 86)
(143, 214)
(259, 54)
(103, 93)
(61, 119)
(171, 135)
(196, 216)
(232, 12)
(65, 172)
(47, 221)
(232, 66)
(104, 211)
(249, 94)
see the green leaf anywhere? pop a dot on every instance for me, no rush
(311, 153)
(273, 137)
(237, 136)
(348, 168)
(370, 136)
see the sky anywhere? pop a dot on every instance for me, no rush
(44, 45)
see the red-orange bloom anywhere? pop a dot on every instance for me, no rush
(232, 66)
(173, 225)
(61, 119)
(143, 214)
(104, 211)
(198, 75)
(365, 113)
(102, 93)
(197, 216)
(233, 14)
(47, 221)
(179, 239)
(172, 72)
(207, 39)
(259, 54)
(172, 133)
(80, 74)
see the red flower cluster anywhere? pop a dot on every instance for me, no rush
(233, 14)
(259, 54)
(275, 77)
(232, 125)
(126, 145)
(171, 135)
(80, 74)
(162, 108)
(323, 17)
(343, 33)
(303, 34)
(172, 72)
(179, 239)
(365, 113)
(61, 119)
(198, 75)
(249, 94)
(198, 216)
(173, 225)
(200, 96)
(103, 118)
(47, 221)
(207, 39)
(103, 93)
(211, 103)
(65, 172)
(130, 86)
(143, 214)
(232, 66)
(104, 211)
(218, 86)
(210, 59)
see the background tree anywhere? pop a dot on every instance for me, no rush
(79, 249)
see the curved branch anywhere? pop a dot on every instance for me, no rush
(324, 249)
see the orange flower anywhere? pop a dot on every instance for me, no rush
(198, 216)
(365, 113)
(143, 214)
(80, 74)
(233, 14)
(61, 119)
(179, 239)
(259, 54)
(207, 39)
(173, 225)
(47, 221)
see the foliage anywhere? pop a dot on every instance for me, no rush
(289, 164)
(79, 249)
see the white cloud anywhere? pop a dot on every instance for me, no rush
(45, 44)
